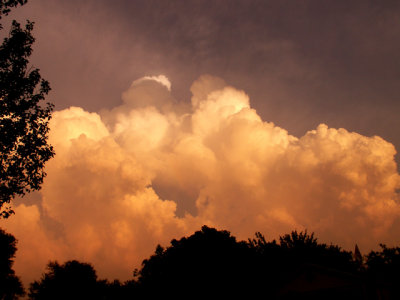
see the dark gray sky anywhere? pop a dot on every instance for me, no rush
(301, 62)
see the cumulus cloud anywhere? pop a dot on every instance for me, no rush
(154, 169)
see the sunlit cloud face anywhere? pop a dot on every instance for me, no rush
(154, 169)
(162, 79)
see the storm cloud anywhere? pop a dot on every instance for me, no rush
(127, 178)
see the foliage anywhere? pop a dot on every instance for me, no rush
(211, 263)
(77, 280)
(116, 290)
(304, 247)
(281, 263)
(383, 270)
(5, 6)
(71, 280)
(23, 117)
(385, 261)
(10, 285)
(208, 262)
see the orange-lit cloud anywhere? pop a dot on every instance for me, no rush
(154, 169)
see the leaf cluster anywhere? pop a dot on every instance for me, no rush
(23, 117)
(6, 5)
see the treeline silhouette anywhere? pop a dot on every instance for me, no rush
(212, 263)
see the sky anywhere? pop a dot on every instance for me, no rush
(247, 116)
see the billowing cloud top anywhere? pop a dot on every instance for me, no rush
(162, 79)
(153, 169)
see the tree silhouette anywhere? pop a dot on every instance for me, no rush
(298, 256)
(383, 272)
(208, 263)
(116, 290)
(10, 285)
(304, 248)
(71, 280)
(5, 6)
(211, 263)
(77, 280)
(23, 117)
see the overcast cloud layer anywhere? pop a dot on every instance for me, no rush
(145, 172)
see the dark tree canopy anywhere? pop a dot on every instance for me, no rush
(296, 249)
(213, 264)
(383, 271)
(23, 117)
(71, 280)
(305, 248)
(5, 6)
(10, 285)
(77, 280)
(385, 263)
(208, 263)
